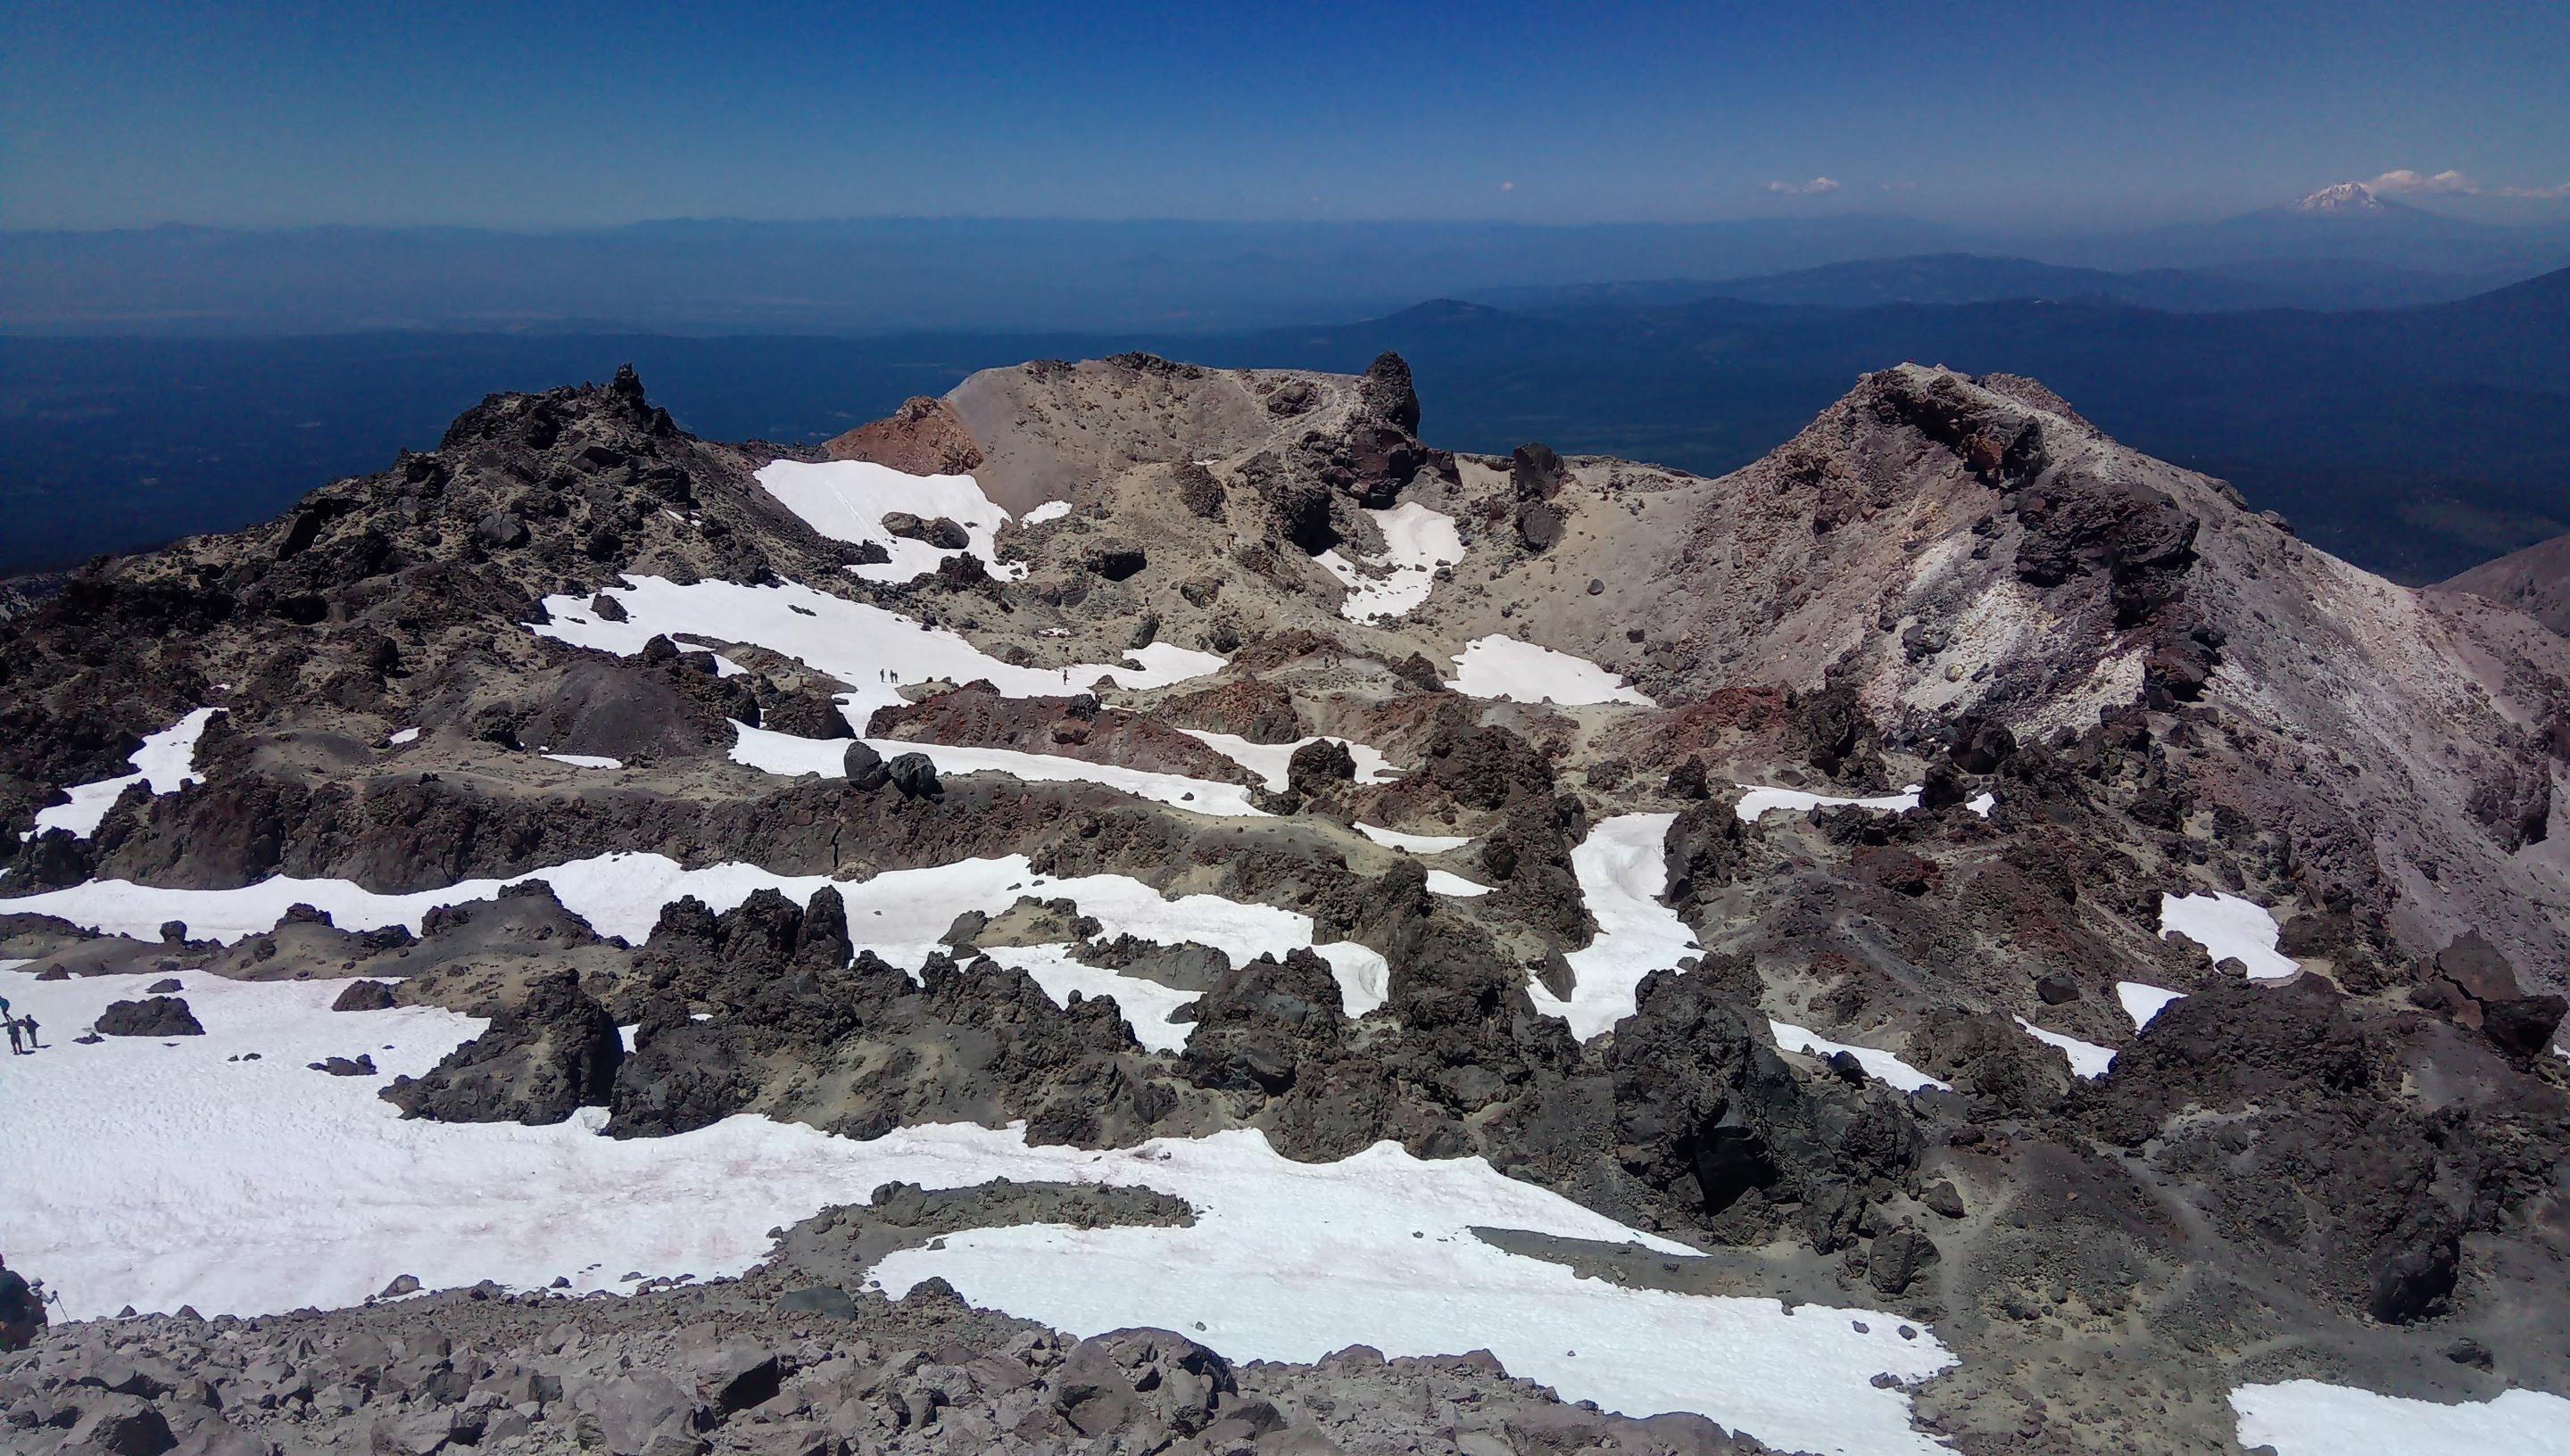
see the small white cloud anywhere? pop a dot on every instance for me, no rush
(2554, 193)
(1508, 187)
(1814, 187)
(2402, 180)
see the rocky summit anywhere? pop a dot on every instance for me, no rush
(1140, 907)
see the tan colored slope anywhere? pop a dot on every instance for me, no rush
(2535, 581)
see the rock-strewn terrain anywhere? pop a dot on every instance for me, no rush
(1312, 840)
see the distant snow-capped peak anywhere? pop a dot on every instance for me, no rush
(2347, 196)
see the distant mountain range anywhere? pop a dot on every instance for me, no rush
(1019, 275)
(1960, 277)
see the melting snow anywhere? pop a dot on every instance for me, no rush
(402, 735)
(165, 762)
(1444, 881)
(322, 1192)
(2088, 1058)
(1416, 844)
(1883, 1066)
(1049, 511)
(586, 760)
(1503, 667)
(1621, 874)
(1417, 540)
(2227, 927)
(2313, 1418)
(1269, 760)
(847, 500)
(872, 650)
(2142, 1003)
(787, 753)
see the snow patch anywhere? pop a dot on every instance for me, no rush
(401, 736)
(2088, 1058)
(847, 500)
(900, 914)
(1503, 667)
(165, 763)
(1446, 882)
(1757, 800)
(1621, 872)
(1147, 1004)
(2142, 1003)
(1269, 760)
(2315, 1418)
(1417, 540)
(586, 760)
(2228, 927)
(1289, 1261)
(786, 753)
(1883, 1066)
(1049, 511)
(1416, 844)
(872, 650)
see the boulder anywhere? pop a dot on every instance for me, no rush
(156, 1017)
(365, 995)
(554, 1051)
(915, 775)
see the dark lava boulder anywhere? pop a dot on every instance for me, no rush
(553, 1052)
(156, 1017)
(365, 995)
(1319, 767)
(806, 714)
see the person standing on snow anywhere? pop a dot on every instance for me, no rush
(16, 1040)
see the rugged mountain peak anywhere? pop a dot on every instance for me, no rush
(2343, 198)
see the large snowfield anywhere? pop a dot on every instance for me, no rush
(252, 1186)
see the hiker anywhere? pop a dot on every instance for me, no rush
(29, 1023)
(16, 1046)
(22, 1309)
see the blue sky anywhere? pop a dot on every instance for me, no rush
(533, 115)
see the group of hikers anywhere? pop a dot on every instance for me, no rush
(22, 1030)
